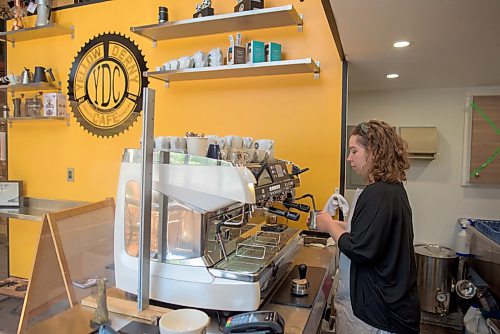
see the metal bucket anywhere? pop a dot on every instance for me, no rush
(436, 275)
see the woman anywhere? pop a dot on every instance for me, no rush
(377, 289)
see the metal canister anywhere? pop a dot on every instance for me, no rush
(436, 275)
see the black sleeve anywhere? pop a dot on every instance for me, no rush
(370, 225)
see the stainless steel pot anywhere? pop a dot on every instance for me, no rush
(436, 276)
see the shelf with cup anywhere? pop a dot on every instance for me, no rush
(294, 66)
(248, 20)
(26, 34)
(31, 87)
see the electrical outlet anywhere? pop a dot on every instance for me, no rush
(70, 174)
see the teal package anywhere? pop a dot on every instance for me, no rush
(256, 52)
(273, 51)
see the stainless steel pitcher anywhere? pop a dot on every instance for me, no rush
(26, 76)
(43, 12)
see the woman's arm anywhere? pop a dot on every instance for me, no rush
(325, 223)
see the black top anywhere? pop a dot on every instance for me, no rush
(383, 280)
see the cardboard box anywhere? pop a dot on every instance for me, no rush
(273, 51)
(236, 57)
(244, 5)
(54, 104)
(256, 52)
(207, 11)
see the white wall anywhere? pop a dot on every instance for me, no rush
(434, 187)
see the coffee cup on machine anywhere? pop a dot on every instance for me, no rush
(235, 142)
(197, 146)
(162, 143)
(264, 144)
(178, 143)
(247, 142)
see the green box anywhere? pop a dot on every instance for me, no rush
(273, 51)
(256, 52)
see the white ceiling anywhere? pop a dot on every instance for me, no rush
(455, 43)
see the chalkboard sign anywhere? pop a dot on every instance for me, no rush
(482, 141)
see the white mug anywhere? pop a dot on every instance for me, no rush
(213, 139)
(185, 62)
(178, 143)
(233, 142)
(162, 142)
(173, 64)
(197, 146)
(247, 142)
(200, 59)
(264, 144)
(215, 57)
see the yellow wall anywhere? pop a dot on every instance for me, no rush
(302, 115)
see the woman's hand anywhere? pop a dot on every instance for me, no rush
(325, 223)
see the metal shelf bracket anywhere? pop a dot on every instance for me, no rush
(300, 26)
(316, 73)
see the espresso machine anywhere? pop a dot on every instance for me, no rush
(206, 250)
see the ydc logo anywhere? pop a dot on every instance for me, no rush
(105, 84)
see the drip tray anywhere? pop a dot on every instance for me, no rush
(284, 294)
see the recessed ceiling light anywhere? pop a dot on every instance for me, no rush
(392, 76)
(401, 44)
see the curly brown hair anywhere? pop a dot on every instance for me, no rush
(387, 151)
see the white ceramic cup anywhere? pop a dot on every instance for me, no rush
(260, 155)
(178, 143)
(184, 321)
(186, 62)
(233, 142)
(264, 144)
(173, 64)
(162, 143)
(247, 142)
(197, 146)
(200, 59)
(215, 57)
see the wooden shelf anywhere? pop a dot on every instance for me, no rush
(248, 20)
(49, 30)
(31, 87)
(294, 66)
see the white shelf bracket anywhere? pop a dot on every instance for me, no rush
(13, 44)
(167, 84)
(316, 73)
(300, 26)
(72, 32)
(154, 44)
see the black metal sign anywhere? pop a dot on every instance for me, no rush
(105, 84)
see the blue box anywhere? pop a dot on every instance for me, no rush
(256, 52)
(273, 51)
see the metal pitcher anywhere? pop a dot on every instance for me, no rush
(41, 74)
(43, 12)
(26, 76)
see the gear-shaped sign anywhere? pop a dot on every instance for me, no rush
(105, 84)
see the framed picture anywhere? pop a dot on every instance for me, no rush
(11, 193)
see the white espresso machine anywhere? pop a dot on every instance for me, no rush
(204, 251)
